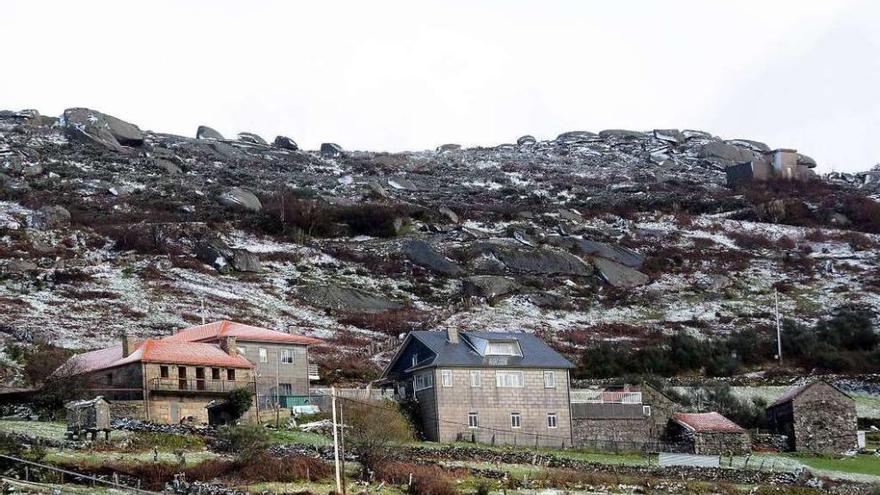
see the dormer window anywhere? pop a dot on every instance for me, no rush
(503, 348)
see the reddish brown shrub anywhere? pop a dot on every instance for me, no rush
(751, 240)
(426, 480)
(264, 468)
(392, 323)
(72, 276)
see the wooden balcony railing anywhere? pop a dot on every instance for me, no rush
(197, 385)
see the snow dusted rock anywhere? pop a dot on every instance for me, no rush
(725, 152)
(285, 143)
(215, 252)
(488, 286)
(422, 254)
(806, 161)
(446, 212)
(619, 275)
(618, 254)
(339, 298)
(448, 147)
(526, 140)
(167, 166)
(20, 267)
(669, 135)
(94, 127)
(205, 132)
(331, 150)
(536, 261)
(571, 137)
(49, 217)
(249, 137)
(621, 134)
(756, 146)
(238, 197)
(245, 261)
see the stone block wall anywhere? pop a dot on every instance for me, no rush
(824, 420)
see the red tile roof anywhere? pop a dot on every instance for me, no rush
(154, 351)
(710, 422)
(245, 333)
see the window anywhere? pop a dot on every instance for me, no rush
(230, 374)
(287, 356)
(508, 379)
(215, 373)
(552, 421)
(515, 420)
(109, 378)
(163, 371)
(476, 379)
(264, 355)
(285, 389)
(646, 411)
(423, 381)
(502, 348)
(549, 379)
(473, 422)
(415, 359)
(447, 377)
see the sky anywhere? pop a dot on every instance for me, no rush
(411, 75)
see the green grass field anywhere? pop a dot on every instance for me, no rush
(860, 464)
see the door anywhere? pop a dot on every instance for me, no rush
(200, 378)
(181, 377)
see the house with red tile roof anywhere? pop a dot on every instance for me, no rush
(280, 359)
(163, 381)
(169, 379)
(709, 433)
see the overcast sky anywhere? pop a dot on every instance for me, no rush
(415, 74)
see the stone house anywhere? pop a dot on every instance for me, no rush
(780, 163)
(817, 417)
(281, 360)
(709, 433)
(620, 417)
(488, 387)
(162, 381)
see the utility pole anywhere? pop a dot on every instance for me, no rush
(335, 441)
(342, 442)
(778, 328)
(202, 299)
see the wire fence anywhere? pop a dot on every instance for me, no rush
(46, 474)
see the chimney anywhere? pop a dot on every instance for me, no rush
(452, 335)
(229, 346)
(127, 345)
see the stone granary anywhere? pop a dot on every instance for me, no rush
(88, 417)
(627, 417)
(776, 164)
(488, 387)
(817, 417)
(709, 433)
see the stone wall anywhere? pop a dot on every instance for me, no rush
(721, 443)
(131, 409)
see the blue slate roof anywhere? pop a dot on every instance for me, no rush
(535, 352)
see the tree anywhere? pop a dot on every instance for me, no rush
(372, 430)
(239, 401)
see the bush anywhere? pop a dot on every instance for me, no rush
(374, 429)
(267, 468)
(245, 440)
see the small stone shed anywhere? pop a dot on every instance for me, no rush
(709, 433)
(88, 417)
(817, 417)
(607, 422)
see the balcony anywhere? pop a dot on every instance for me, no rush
(313, 373)
(604, 397)
(197, 385)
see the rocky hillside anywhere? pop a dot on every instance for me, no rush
(106, 228)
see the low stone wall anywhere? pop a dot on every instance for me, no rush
(721, 443)
(131, 409)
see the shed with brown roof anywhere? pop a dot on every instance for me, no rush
(710, 433)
